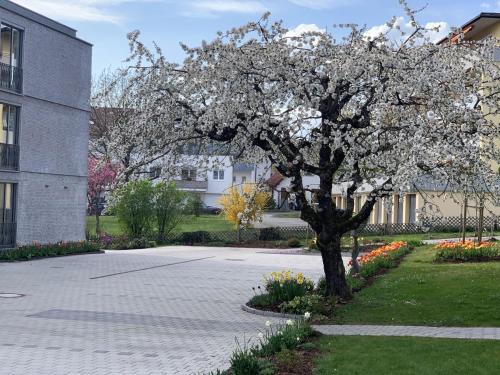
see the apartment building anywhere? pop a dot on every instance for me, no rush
(45, 75)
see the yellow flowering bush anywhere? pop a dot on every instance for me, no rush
(243, 205)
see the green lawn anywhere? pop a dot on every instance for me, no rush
(110, 224)
(420, 292)
(357, 355)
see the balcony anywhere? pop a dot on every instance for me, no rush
(7, 235)
(9, 157)
(11, 77)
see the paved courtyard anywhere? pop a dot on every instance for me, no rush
(173, 310)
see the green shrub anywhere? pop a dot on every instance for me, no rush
(285, 286)
(189, 238)
(312, 303)
(168, 207)
(134, 207)
(293, 242)
(194, 204)
(28, 252)
(152, 244)
(269, 234)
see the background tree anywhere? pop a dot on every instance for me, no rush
(169, 207)
(243, 205)
(133, 203)
(349, 109)
(101, 179)
(115, 133)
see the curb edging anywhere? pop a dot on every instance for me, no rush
(270, 314)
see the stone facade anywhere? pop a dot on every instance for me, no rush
(52, 128)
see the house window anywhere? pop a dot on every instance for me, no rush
(10, 57)
(9, 150)
(7, 214)
(188, 174)
(218, 175)
(243, 179)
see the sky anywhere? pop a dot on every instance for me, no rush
(105, 23)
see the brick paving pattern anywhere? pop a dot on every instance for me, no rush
(166, 317)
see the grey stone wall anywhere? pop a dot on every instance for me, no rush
(53, 132)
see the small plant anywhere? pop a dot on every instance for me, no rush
(138, 243)
(313, 303)
(313, 244)
(243, 360)
(293, 242)
(284, 336)
(284, 286)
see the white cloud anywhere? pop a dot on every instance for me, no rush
(322, 4)
(304, 28)
(433, 34)
(213, 7)
(78, 10)
(491, 6)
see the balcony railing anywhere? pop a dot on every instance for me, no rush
(7, 235)
(9, 156)
(11, 77)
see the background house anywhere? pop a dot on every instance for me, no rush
(45, 75)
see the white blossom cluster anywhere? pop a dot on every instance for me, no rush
(352, 110)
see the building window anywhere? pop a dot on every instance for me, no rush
(243, 179)
(234, 179)
(9, 150)
(188, 174)
(7, 214)
(10, 58)
(218, 175)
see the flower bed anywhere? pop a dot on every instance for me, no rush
(381, 259)
(286, 292)
(466, 252)
(36, 250)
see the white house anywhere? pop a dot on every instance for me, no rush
(212, 176)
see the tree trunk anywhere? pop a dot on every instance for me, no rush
(333, 264)
(355, 251)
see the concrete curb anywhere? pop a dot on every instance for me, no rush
(270, 314)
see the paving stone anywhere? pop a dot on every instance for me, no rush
(178, 319)
(414, 331)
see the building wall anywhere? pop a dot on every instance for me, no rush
(53, 131)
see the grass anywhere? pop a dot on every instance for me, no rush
(407, 355)
(210, 223)
(420, 292)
